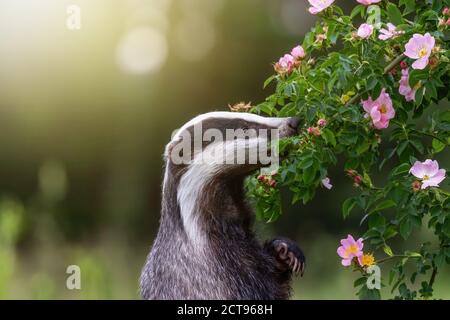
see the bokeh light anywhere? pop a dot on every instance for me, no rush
(142, 50)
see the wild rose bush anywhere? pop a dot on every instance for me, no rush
(371, 88)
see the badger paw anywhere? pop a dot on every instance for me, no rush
(288, 254)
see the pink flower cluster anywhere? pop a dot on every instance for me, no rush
(289, 61)
(428, 172)
(319, 5)
(445, 21)
(380, 110)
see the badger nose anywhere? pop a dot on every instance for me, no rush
(293, 122)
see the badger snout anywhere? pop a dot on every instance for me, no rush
(289, 127)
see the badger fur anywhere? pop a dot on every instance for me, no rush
(205, 247)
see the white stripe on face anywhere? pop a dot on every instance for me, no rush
(272, 122)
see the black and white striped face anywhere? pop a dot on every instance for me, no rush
(229, 140)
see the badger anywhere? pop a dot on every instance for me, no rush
(205, 247)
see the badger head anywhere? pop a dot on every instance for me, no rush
(227, 142)
(217, 147)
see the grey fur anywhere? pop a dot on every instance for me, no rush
(230, 263)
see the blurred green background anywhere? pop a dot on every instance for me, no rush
(85, 115)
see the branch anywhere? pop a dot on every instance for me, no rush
(433, 277)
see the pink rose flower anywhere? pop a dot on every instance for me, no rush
(322, 122)
(326, 183)
(285, 64)
(365, 30)
(419, 47)
(390, 32)
(368, 2)
(319, 5)
(380, 110)
(298, 52)
(350, 249)
(314, 131)
(404, 89)
(429, 172)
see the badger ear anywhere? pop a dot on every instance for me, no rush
(167, 151)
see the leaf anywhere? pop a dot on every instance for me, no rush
(413, 254)
(388, 250)
(384, 205)
(401, 169)
(401, 147)
(417, 75)
(418, 145)
(394, 14)
(269, 80)
(369, 294)
(305, 163)
(329, 137)
(359, 9)
(410, 5)
(377, 221)
(359, 282)
(309, 175)
(438, 146)
(405, 228)
(347, 206)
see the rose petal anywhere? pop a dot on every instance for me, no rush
(421, 63)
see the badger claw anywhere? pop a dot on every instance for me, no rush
(289, 254)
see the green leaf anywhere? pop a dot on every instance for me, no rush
(359, 9)
(309, 175)
(388, 250)
(417, 75)
(305, 163)
(438, 146)
(384, 205)
(347, 206)
(329, 137)
(369, 294)
(413, 254)
(359, 282)
(394, 14)
(269, 80)
(405, 228)
(377, 221)
(410, 5)
(401, 169)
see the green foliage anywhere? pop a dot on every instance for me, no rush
(339, 70)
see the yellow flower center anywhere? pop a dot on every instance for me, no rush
(383, 108)
(425, 177)
(423, 52)
(367, 260)
(353, 249)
